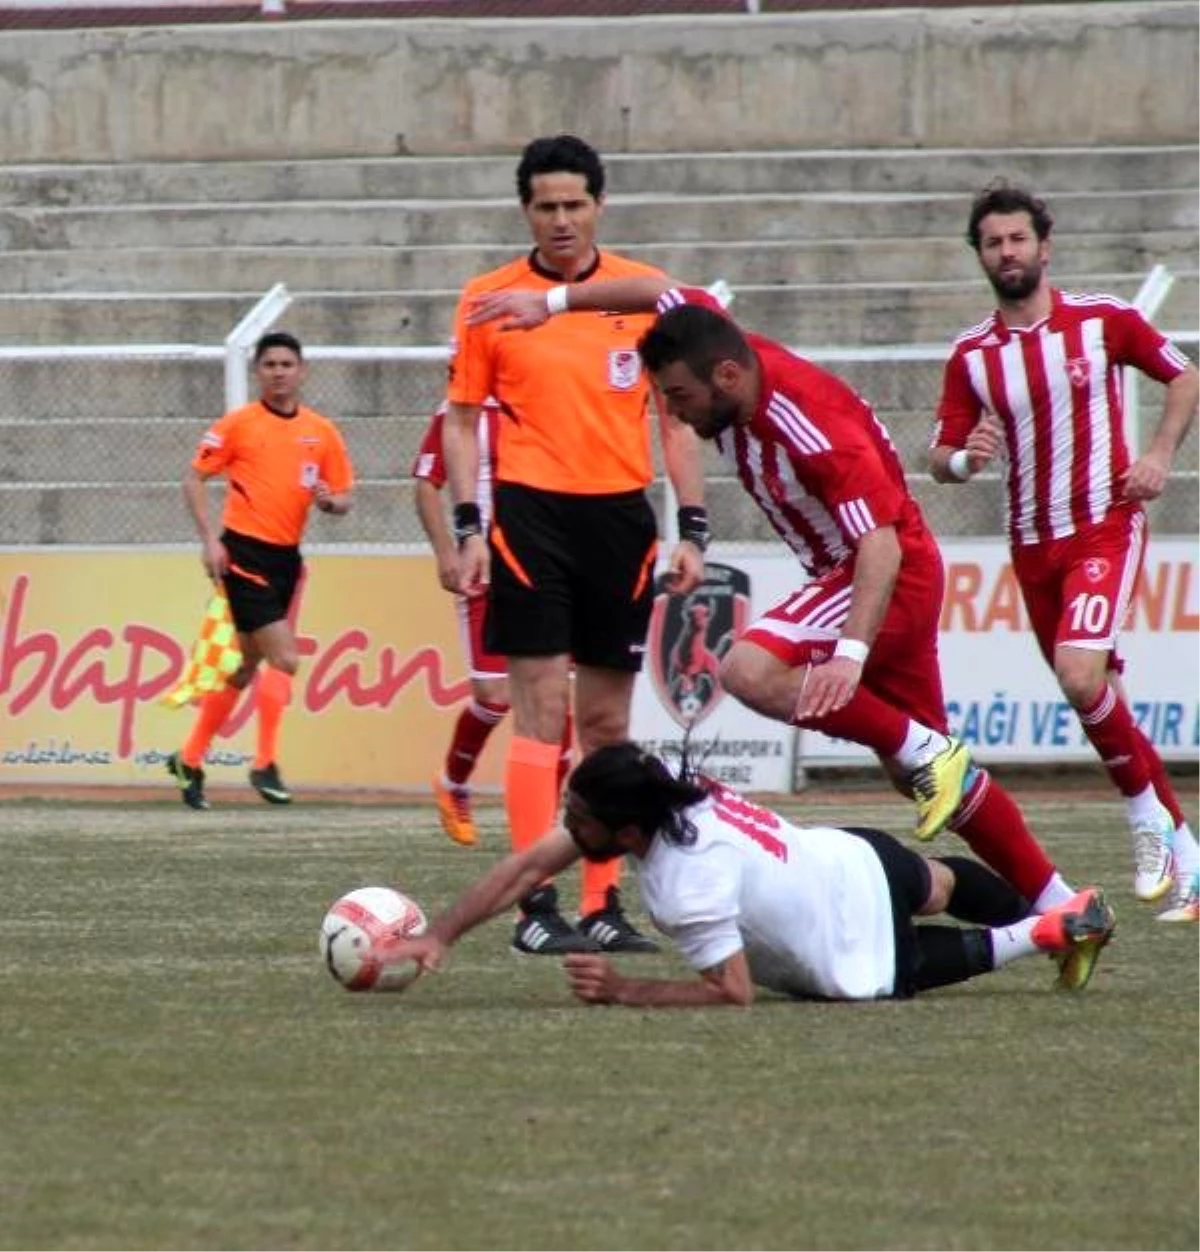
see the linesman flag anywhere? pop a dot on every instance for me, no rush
(215, 656)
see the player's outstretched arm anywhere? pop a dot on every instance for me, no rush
(595, 980)
(523, 309)
(499, 889)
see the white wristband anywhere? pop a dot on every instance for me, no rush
(556, 299)
(959, 465)
(853, 650)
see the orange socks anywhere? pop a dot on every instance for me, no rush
(274, 694)
(214, 709)
(597, 878)
(531, 789)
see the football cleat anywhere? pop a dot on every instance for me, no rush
(938, 788)
(190, 779)
(612, 930)
(543, 931)
(1153, 859)
(1183, 901)
(1075, 933)
(269, 785)
(454, 809)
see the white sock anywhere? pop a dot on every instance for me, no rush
(920, 745)
(1009, 943)
(1144, 808)
(1057, 891)
(1187, 851)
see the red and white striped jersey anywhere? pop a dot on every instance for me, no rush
(814, 456)
(1057, 389)
(430, 463)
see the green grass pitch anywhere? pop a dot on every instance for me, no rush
(178, 1070)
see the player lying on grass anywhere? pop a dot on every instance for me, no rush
(752, 900)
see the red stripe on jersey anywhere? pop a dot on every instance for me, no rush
(1057, 389)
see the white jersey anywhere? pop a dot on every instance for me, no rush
(809, 906)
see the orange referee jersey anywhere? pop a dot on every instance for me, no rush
(273, 463)
(573, 398)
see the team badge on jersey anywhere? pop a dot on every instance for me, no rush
(310, 475)
(1078, 371)
(624, 369)
(688, 637)
(1095, 569)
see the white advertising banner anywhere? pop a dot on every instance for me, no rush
(1001, 697)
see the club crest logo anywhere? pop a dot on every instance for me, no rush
(624, 368)
(1095, 569)
(1078, 371)
(688, 637)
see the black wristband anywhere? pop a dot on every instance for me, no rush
(468, 521)
(693, 525)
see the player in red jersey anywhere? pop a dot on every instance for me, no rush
(487, 672)
(1041, 380)
(853, 653)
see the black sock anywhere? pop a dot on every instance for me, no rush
(981, 896)
(950, 954)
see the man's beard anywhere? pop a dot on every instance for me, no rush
(1017, 286)
(720, 416)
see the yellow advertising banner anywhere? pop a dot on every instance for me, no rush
(90, 640)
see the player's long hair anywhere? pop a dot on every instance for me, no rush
(624, 786)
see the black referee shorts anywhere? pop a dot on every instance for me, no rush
(261, 580)
(571, 574)
(909, 883)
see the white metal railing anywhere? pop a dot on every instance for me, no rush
(239, 343)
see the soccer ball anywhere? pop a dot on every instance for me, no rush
(359, 932)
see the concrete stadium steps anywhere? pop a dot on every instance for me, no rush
(153, 512)
(111, 387)
(862, 170)
(384, 512)
(813, 314)
(408, 222)
(850, 247)
(384, 268)
(92, 389)
(127, 451)
(45, 407)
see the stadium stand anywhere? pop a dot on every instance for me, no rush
(824, 248)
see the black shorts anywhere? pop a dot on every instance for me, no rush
(261, 580)
(571, 574)
(909, 883)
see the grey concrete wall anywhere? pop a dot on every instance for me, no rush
(1010, 75)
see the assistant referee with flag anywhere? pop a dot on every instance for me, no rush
(280, 459)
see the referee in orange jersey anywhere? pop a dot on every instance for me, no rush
(567, 564)
(280, 459)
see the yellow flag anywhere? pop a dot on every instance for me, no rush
(215, 656)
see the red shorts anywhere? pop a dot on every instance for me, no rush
(480, 662)
(1077, 590)
(903, 666)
